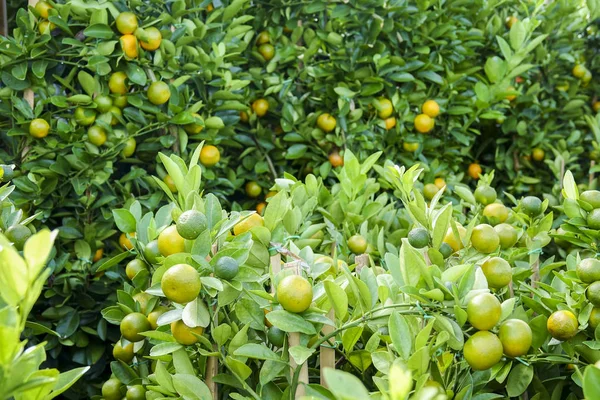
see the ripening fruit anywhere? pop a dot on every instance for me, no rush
(153, 39)
(98, 255)
(430, 190)
(253, 189)
(538, 154)
(507, 234)
(294, 293)
(483, 311)
(390, 123)
(103, 104)
(39, 128)
(168, 180)
(260, 207)
(129, 148)
(170, 242)
(336, 159)
(511, 97)
(483, 350)
(45, 27)
(431, 108)
(127, 23)
(424, 123)
(497, 271)
(596, 106)
(158, 93)
(247, 224)
(357, 244)
(587, 77)
(125, 242)
(495, 213)
(485, 239)
(439, 182)
(562, 325)
(96, 135)
(209, 156)
(410, 146)
(579, 71)
(510, 21)
(456, 243)
(326, 122)
(267, 51)
(132, 325)
(116, 83)
(129, 45)
(592, 197)
(263, 38)
(474, 170)
(485, 195)
(386, 108)
(181, 283)
(244, 116)
(260, 107)
(194, 128)
(516, 337)
(43, 9)
(135, 266)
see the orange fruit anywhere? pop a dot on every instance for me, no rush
(294, 293)
(260, 107)
(184, 334)
(43, 9)
(263, 38)
(483, 350)
(181, 283)
(424, 123)
(96, 135)
(170, 183)
(170, 242)
(125, 242)
(126, 23)
(474, 170)
(153, 38)
(194, 128)
(431, 108)
(336, 160)
(410, 146)
(483, 311)
(260, 207)
(510, 21)
(247, 224)
(158, 93)
(326, 122)
(267, 51)
(129, 45)
(116, 83)
(562, 325)
(39, 128)
(390, 123)
(538, 154)
(385, 109)
(209, 156)
(516, 337)
(98, 255)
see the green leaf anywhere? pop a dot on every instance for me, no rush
(345, 385)
(87, 82)
(136, 74)
(258, 351)
(191, 387)
(591, 382)
(99, 31)
(517, 35)
(400, 334)
(124, 220)
(196, 314)
(344, 92)
(113, 261)
(66, 380)
(519, 379)
(300, 354)
(338, 299)
(289, 322)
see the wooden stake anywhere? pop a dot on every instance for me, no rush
(28, 94)
(294, 340)
(212, 364)
(327, 354)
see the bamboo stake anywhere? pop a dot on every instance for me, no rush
(294, 340)
(212, 364)
(28, 94)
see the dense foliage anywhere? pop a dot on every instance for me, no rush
(304, 108)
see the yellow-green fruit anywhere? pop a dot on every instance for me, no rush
(562, 325)
(497, 271)
(294, 293)
(483, 311)
(124, 354)
(184, 334)
(181, 283)
(588, 270)
(507, 234)
(483, 350)
(132, 325)
(170, 242)
(496, 213)
(516, 337)
(591, 197)
(485, 239)
(111, 390)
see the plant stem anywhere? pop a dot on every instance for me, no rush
(239, 378)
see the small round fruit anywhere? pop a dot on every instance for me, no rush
(170, 183)
(483, 311)
(593, 293)
(129, 148)
(592, 197)
(485, 195)
(155, 314)
(276, 336)
(181, 283)
(531, 206)
(497, 271)
(134, 267)
(485, 239)
(507, 234)
(474, 170)
(294, 293)
(424, 123)
(260, 107)
(483, 350)
(46, 27)
(143, 299)
(98, 255)
(194, 128)
(430, 190)
(446, 250)
(562, 325)
(516, 337)
(579, 71)
(456, 243)
(84, 116)
(538, 154)
(418, 238)
(153, 38)
(227, 268)
(124, 354)
(326, 122)
(253, 189)
(43, 9)
(111, 390)
(103, 104)
(335, 159)
(151, 252)
(260, 208)
(594, 320)
(357, 244)
(129, 45)
(263, 38)
(125, 242)
(158, 93)
(593, 219)
(209, 156)
(120, 101)
(170, 242)
(431, 108)
(267, 51)
(18, 235)
(495, 213)
(588, 270)
(191, 224)
(439, 183)
(184, 334)
(390, 123)
(136, 392)
(244, 117)
(596, 106)
(117, 83)
(132, 325)
(127, 22)
(247, 224)
(410, 146)
(39, 128)
(96, 135)
(510, 21)
(385, 109)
